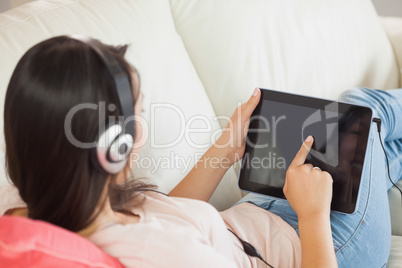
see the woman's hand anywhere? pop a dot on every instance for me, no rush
(201, 182)
(308, 190)
(233, 138)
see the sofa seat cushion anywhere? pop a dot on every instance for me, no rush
(394, 197)
(395, 257)
(30, 243)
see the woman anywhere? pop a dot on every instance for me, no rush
(144, 228)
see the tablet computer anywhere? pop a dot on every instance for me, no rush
(279, 125)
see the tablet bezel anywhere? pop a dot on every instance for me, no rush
(304, 101)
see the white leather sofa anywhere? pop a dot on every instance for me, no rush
(199, 58)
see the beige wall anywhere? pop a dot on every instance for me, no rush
(14, 3)
(388, 7)
(7, 4)
(4, 5)
(384, 7)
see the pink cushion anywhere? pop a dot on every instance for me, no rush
(31, 243)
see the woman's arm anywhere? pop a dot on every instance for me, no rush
(204, 177)
(201, 182)
(309, 192)
(316, 242)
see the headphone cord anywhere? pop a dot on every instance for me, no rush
(249, 249)
(378, 122)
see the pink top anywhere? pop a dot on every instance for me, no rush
(182, 233)
(179, 232)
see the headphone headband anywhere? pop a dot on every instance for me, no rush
(120, 78)
(114, 144)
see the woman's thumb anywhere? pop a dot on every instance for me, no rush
(253, 101)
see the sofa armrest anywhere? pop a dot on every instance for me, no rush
(395, 206)
(393, 28)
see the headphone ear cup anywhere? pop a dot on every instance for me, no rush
(112, 149)
(120, 148)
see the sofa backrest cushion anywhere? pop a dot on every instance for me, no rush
(393, 28)
(175, 101)
(317, 48)
(30, 243)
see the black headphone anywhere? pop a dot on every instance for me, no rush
(114, 144)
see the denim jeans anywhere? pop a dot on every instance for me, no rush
(362, 239)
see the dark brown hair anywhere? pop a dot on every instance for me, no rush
(56, 179)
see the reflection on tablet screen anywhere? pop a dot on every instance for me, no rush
(279, 126)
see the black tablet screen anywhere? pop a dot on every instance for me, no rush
(278, 127)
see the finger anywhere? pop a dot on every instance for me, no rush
(246, 127)
(309, 166)
(252, 102)
(316, 170)
(327, 175)
(285, 187)
(301, 155)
